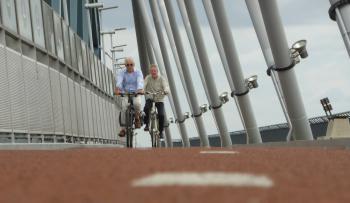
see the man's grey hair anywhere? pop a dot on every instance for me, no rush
(153, 66)
(128, 59)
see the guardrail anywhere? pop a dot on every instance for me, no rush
(53, 88)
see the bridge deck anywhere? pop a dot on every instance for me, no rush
(311, 174)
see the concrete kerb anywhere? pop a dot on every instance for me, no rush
(330, 143)
(56, 146)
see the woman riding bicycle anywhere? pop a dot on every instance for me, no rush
(155, 83)
(128, 81)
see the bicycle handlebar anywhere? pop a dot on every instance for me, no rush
(156, 93)
(133, 94)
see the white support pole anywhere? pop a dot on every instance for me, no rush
(195, 107)
(216, 104)
(170, 35)
(150, 36)
(258, 23)
(172, 84)
(241, 89)
(282, 58)
(215, 31)
(340, 12)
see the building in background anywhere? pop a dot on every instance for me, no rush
(78, 19)
(53, 87)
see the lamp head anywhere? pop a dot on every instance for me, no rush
(224, 97)
(204, 108)
(187, 115)
(252, 82)
(300, 47)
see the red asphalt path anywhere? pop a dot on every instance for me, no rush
(106, 175)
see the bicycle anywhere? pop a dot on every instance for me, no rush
(154, 121)
(129, 118)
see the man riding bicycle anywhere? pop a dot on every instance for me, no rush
(130, 80)
(155, 83)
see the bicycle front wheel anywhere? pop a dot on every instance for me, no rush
(129, 138)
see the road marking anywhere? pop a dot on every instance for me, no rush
(219, 152)
(204, 179)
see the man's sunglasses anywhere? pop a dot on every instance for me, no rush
(129, 64)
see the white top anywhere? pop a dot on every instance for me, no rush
(156, 85)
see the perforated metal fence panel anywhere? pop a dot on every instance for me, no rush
(46, 115)
(73, 107)
(85, 112)
(94, 114)
(97, 116)
(17, 93)
(57, 101)
(103, 126)
(31, 80)
(5, 105)
(89, 110)
(66, 105)
(79, 109)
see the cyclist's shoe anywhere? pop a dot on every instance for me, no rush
(146, 128)
(122, 133)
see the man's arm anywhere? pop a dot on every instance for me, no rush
(140, 81)
(145, 85)
(119, 81)
(165, 86)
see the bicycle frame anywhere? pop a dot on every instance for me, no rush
(154, 122)
(130, 117)
(154, 125)
(130, 114)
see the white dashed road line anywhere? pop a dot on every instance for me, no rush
(219, 152)
(204, 179)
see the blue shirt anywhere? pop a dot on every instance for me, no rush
(130, 82)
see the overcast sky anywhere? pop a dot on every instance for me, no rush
(324, 74)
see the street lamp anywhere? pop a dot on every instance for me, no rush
(89, 6)
(252, 82)
(187, 115)
(120, 29)
(107, 8)
(113, 48)
(107, 32)
(117, 50)
(118, 46)
(224, 97)
(93, 5)
(204, 108)
(300, 47)
(100, 7)
(327, 107)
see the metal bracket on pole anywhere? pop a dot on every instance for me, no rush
(274, 68)
(239, 94)
(332, 9)
(215, 107)
(196, 116)
(181, 121)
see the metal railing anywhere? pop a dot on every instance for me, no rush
(53, 87)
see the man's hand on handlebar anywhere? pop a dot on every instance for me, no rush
(140, 92)
(157, 93)
(117, 91)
